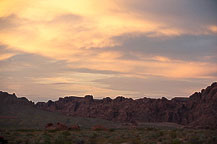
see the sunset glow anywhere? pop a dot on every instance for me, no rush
(52, 48)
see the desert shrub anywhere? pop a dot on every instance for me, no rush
(160, 133)
(94, 135)
(151, 129)
(117, 140)
(18, 141)
(173, 134)
(30, 135)
(151, 143)
(195, 140)
(47, 140)
(141, 128)
(59, 139)
(111, 130)
(62, 140)
(135, 141)
(92, 141)
(155, 134)
(26, 130)
(79, 141)
(66, 133)
(53, 131)
(214, 138)
(176, 141)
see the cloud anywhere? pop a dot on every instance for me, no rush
(5, 53)
(41, 78)
(191, 16)
(63, 30)
(184, 47)
(153, 86)
(69, 45)
(213, 28)
(86, 70)
(7, 22)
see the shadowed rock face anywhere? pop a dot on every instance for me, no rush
(6, 98)
(198, 111)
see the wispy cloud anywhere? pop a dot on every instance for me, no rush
(76, 43)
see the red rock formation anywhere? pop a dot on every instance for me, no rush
(99, 128)
(50, 126)
(60, 126)
(74, 127)
(199, 110)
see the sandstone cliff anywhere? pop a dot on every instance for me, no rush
(199, 110)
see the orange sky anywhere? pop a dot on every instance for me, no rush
(83, 47)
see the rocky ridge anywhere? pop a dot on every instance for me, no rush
(198, 111)
(6, 98)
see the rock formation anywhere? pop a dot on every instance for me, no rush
(6, 98)
(57, 126)
(198, 111)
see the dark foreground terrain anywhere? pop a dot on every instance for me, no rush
(112, 136)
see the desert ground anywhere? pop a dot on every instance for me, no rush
(128, 135)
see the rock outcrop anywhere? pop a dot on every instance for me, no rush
(199, 110)
(6, 98)
(58, 126)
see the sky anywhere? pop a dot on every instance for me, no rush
(132, 48)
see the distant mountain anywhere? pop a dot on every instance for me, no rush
(197, 111)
